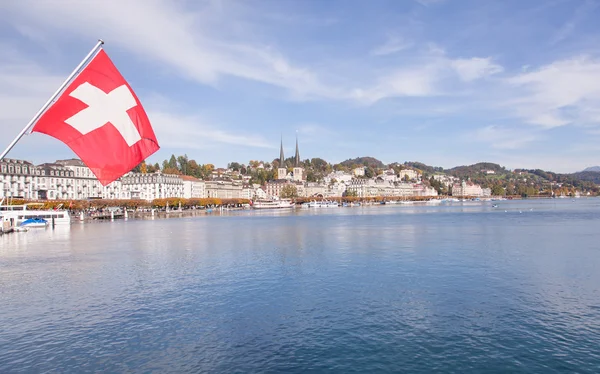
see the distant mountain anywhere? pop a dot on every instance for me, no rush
(592, 168)
(363, 161)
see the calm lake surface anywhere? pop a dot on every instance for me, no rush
(416, 289)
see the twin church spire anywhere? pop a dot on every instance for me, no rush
(296, 157)
(298, 170)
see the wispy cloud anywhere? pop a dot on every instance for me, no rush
(475, 68)
(193, 132)
(431, 74)
(563, 92)
(501, 137)
(393, 45)
(190, 41)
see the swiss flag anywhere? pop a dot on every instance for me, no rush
(101, 119)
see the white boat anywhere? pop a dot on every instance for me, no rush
(322, 204)
(17, 214)
(272, 204)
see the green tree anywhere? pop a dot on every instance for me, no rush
(235, 166)
(182, 163)
(370, 172)
(289, 191)
(350, 193)
(497, 190)
(172, 162)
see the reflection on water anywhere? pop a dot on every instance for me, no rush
(415, 288)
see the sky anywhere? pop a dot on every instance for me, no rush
(444, 82)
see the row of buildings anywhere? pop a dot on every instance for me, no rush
(73, 180)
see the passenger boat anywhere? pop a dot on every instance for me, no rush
(272, 204)
(17, 214)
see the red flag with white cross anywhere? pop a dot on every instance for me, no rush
(101, 119)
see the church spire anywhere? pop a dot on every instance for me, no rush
(297, 159)
(281, 158)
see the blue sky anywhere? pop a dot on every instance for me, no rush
(445, 82)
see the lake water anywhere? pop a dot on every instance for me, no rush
(415, 289)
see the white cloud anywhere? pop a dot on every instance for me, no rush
(563, 92)
(413, 82)
(499, 137)
(204, 44)
(431, 74)
(392, 45)
(192, 132)
(194, 42)
(475, 68)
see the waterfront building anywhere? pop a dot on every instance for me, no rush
(467, 188)
(274, 187)
(57, 182)
(18, 179)
(315, 189)
(247, 192)
(385, 188)
(193, 188)
(224, 188)
(259, 191)
(84, 182)
(151, 186)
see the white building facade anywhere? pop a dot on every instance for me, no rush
(151, 186)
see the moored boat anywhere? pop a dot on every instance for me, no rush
(15, 215)
(272, 204)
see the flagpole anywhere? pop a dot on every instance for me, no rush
(49, 102)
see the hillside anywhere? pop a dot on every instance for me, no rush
(363, 161)
(477, 170)
(587, 176)
(591, 168)
(427, 169)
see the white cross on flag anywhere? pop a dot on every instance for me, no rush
(101, 119)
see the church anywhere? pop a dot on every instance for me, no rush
(297, 174)
(296, 177)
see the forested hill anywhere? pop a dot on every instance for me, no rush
(424, 168)
(588, 176)
(480, 168)
(363, 161)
